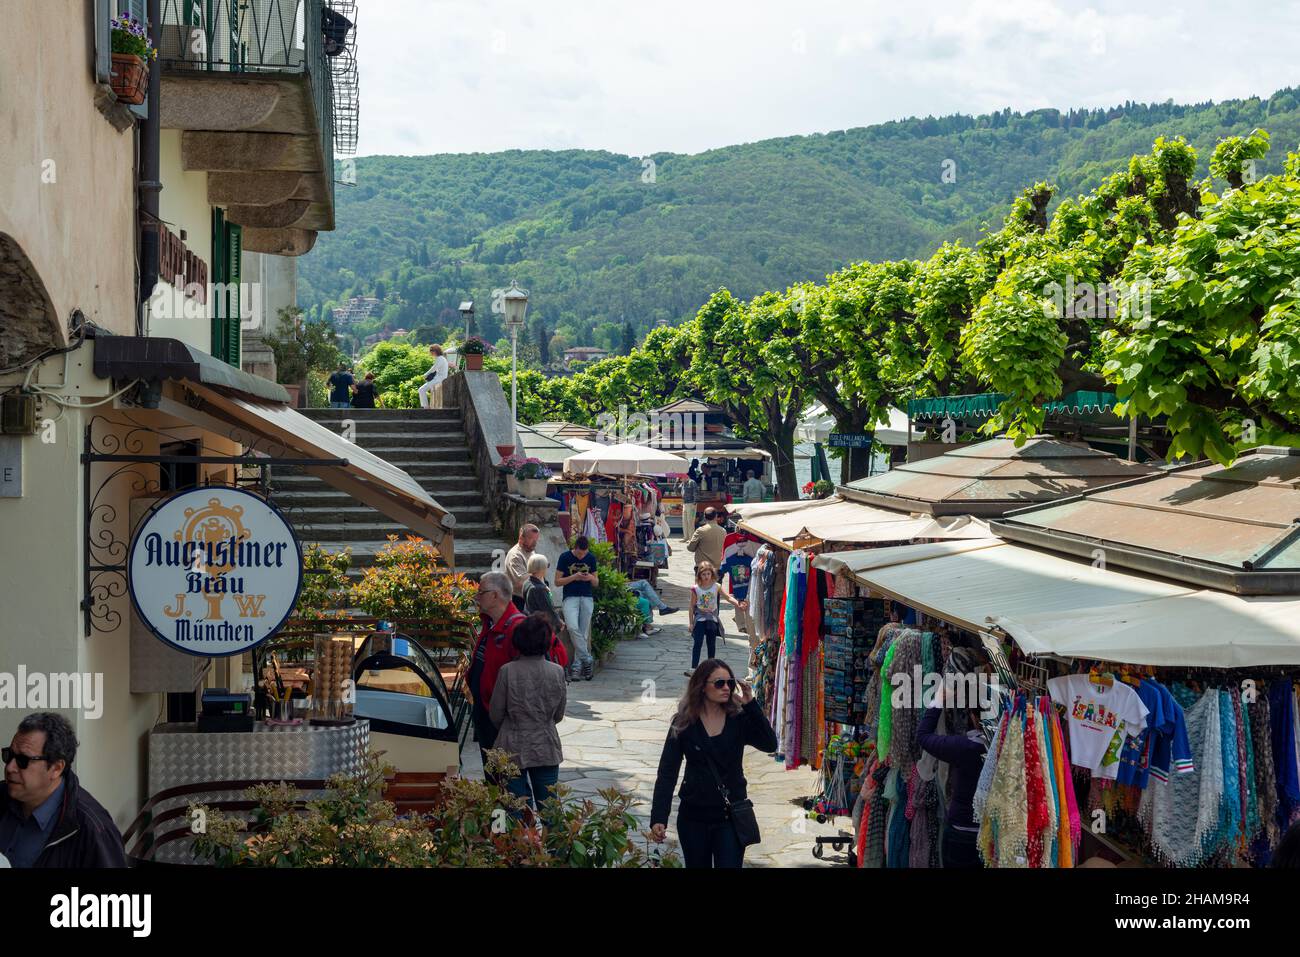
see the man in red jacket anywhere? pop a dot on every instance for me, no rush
(494, 648)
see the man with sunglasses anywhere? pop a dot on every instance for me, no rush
(46, 819)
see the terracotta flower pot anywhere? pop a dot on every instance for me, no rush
(130, 78)
(473, 363)
(505, 451)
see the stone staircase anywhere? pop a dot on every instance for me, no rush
(431, 446)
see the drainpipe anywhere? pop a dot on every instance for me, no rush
(150, 184)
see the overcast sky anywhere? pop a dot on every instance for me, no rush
(441, 76)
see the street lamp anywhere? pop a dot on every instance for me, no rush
(516, 304)
(467, 312)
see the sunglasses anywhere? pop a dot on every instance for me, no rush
(9, 754)
(725, 683)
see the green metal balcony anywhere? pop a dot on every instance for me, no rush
(252, 85)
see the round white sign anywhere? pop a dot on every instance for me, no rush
(214, 571)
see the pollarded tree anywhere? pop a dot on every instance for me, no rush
(1218, 351)
(743, 360)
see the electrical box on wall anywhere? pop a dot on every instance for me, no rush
(18, 414)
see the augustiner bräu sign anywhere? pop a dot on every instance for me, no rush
(214, 571)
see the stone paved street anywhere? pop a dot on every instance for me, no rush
(614, 731)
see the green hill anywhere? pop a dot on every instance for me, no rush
(600, 239)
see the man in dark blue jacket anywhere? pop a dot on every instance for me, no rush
(46, 819)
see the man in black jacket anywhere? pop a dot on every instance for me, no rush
(46, 819)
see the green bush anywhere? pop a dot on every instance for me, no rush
(615, 617)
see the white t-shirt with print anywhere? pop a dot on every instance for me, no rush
(706, 601)
(1096, 715)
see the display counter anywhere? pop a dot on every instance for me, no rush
(179, 754)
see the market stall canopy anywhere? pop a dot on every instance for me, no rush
(1235, 528)
(264, 426)
(970, 583)
(982, 405)
(624, 459)
(1197, 629)
(992, 477)
(836, 520)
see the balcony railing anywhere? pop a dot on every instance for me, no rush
(258, 37)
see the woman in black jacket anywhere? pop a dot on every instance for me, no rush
(715, 719)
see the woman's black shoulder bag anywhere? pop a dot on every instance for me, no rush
(739, 813)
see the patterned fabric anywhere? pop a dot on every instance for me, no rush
(990, 766)
(1182, 814)
(903, 748)
(1265, 777)
(1004, 827)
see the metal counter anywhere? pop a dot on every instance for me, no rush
(180, 754)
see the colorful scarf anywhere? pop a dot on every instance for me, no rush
(1003, 831)
(1182, 813)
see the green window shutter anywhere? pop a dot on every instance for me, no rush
(104, 10)
(218, 276)
(234, 251)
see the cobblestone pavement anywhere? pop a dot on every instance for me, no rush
(615, 726)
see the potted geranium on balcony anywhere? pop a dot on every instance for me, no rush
(474, 349)
(131, 57)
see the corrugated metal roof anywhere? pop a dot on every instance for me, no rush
(993, 477)
(1236, 528)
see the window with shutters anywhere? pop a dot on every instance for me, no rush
(227, 245)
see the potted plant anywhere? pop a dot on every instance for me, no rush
(533, 476)
(131, 56)
(511, 465)
(474, 349)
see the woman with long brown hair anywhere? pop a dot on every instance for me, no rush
(716, 718)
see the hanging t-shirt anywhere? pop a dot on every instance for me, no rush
(1094, 714)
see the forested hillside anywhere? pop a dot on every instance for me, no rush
(602, 240)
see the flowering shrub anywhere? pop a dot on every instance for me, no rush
(407, 582)
(129, 36)
(475, 824)
(475, 346)
(525, 468)
(807, 488)
(324, 584)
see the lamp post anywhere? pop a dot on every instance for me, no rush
(467, 313)
(516, 304)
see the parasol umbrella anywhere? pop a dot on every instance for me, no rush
(625, 459)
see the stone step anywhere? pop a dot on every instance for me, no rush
(470, 514)
(431, 417)
(372, 440)
(454, 500)
(470, 552)
(377, 529)
(405, 453)
(436, 482)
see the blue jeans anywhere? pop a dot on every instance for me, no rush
(535, 784)
(340, 405)
(709, 844)
(577, 618)
(643, 589)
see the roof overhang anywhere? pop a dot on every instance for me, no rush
(150, 358)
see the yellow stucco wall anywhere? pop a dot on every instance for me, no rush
(183, 205)
(50, 129)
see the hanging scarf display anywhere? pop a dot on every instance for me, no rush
(1182, 813)
(1003, 833)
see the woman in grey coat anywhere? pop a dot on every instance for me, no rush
(527, 703)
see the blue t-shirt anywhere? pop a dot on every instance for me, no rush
(340, 386)
(738, 567)
(570, 564)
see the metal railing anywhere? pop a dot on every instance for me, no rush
(256, 36)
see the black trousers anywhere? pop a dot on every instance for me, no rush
(709, 843)
(959, 848)
(705, 628)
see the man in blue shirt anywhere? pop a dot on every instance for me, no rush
(46, 819)
(340, 384)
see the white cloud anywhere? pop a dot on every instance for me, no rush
(640, 77)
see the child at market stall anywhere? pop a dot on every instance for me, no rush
(705, 620)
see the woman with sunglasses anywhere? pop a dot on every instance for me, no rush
(716, 718)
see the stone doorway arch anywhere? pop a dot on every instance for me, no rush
(29, 324)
